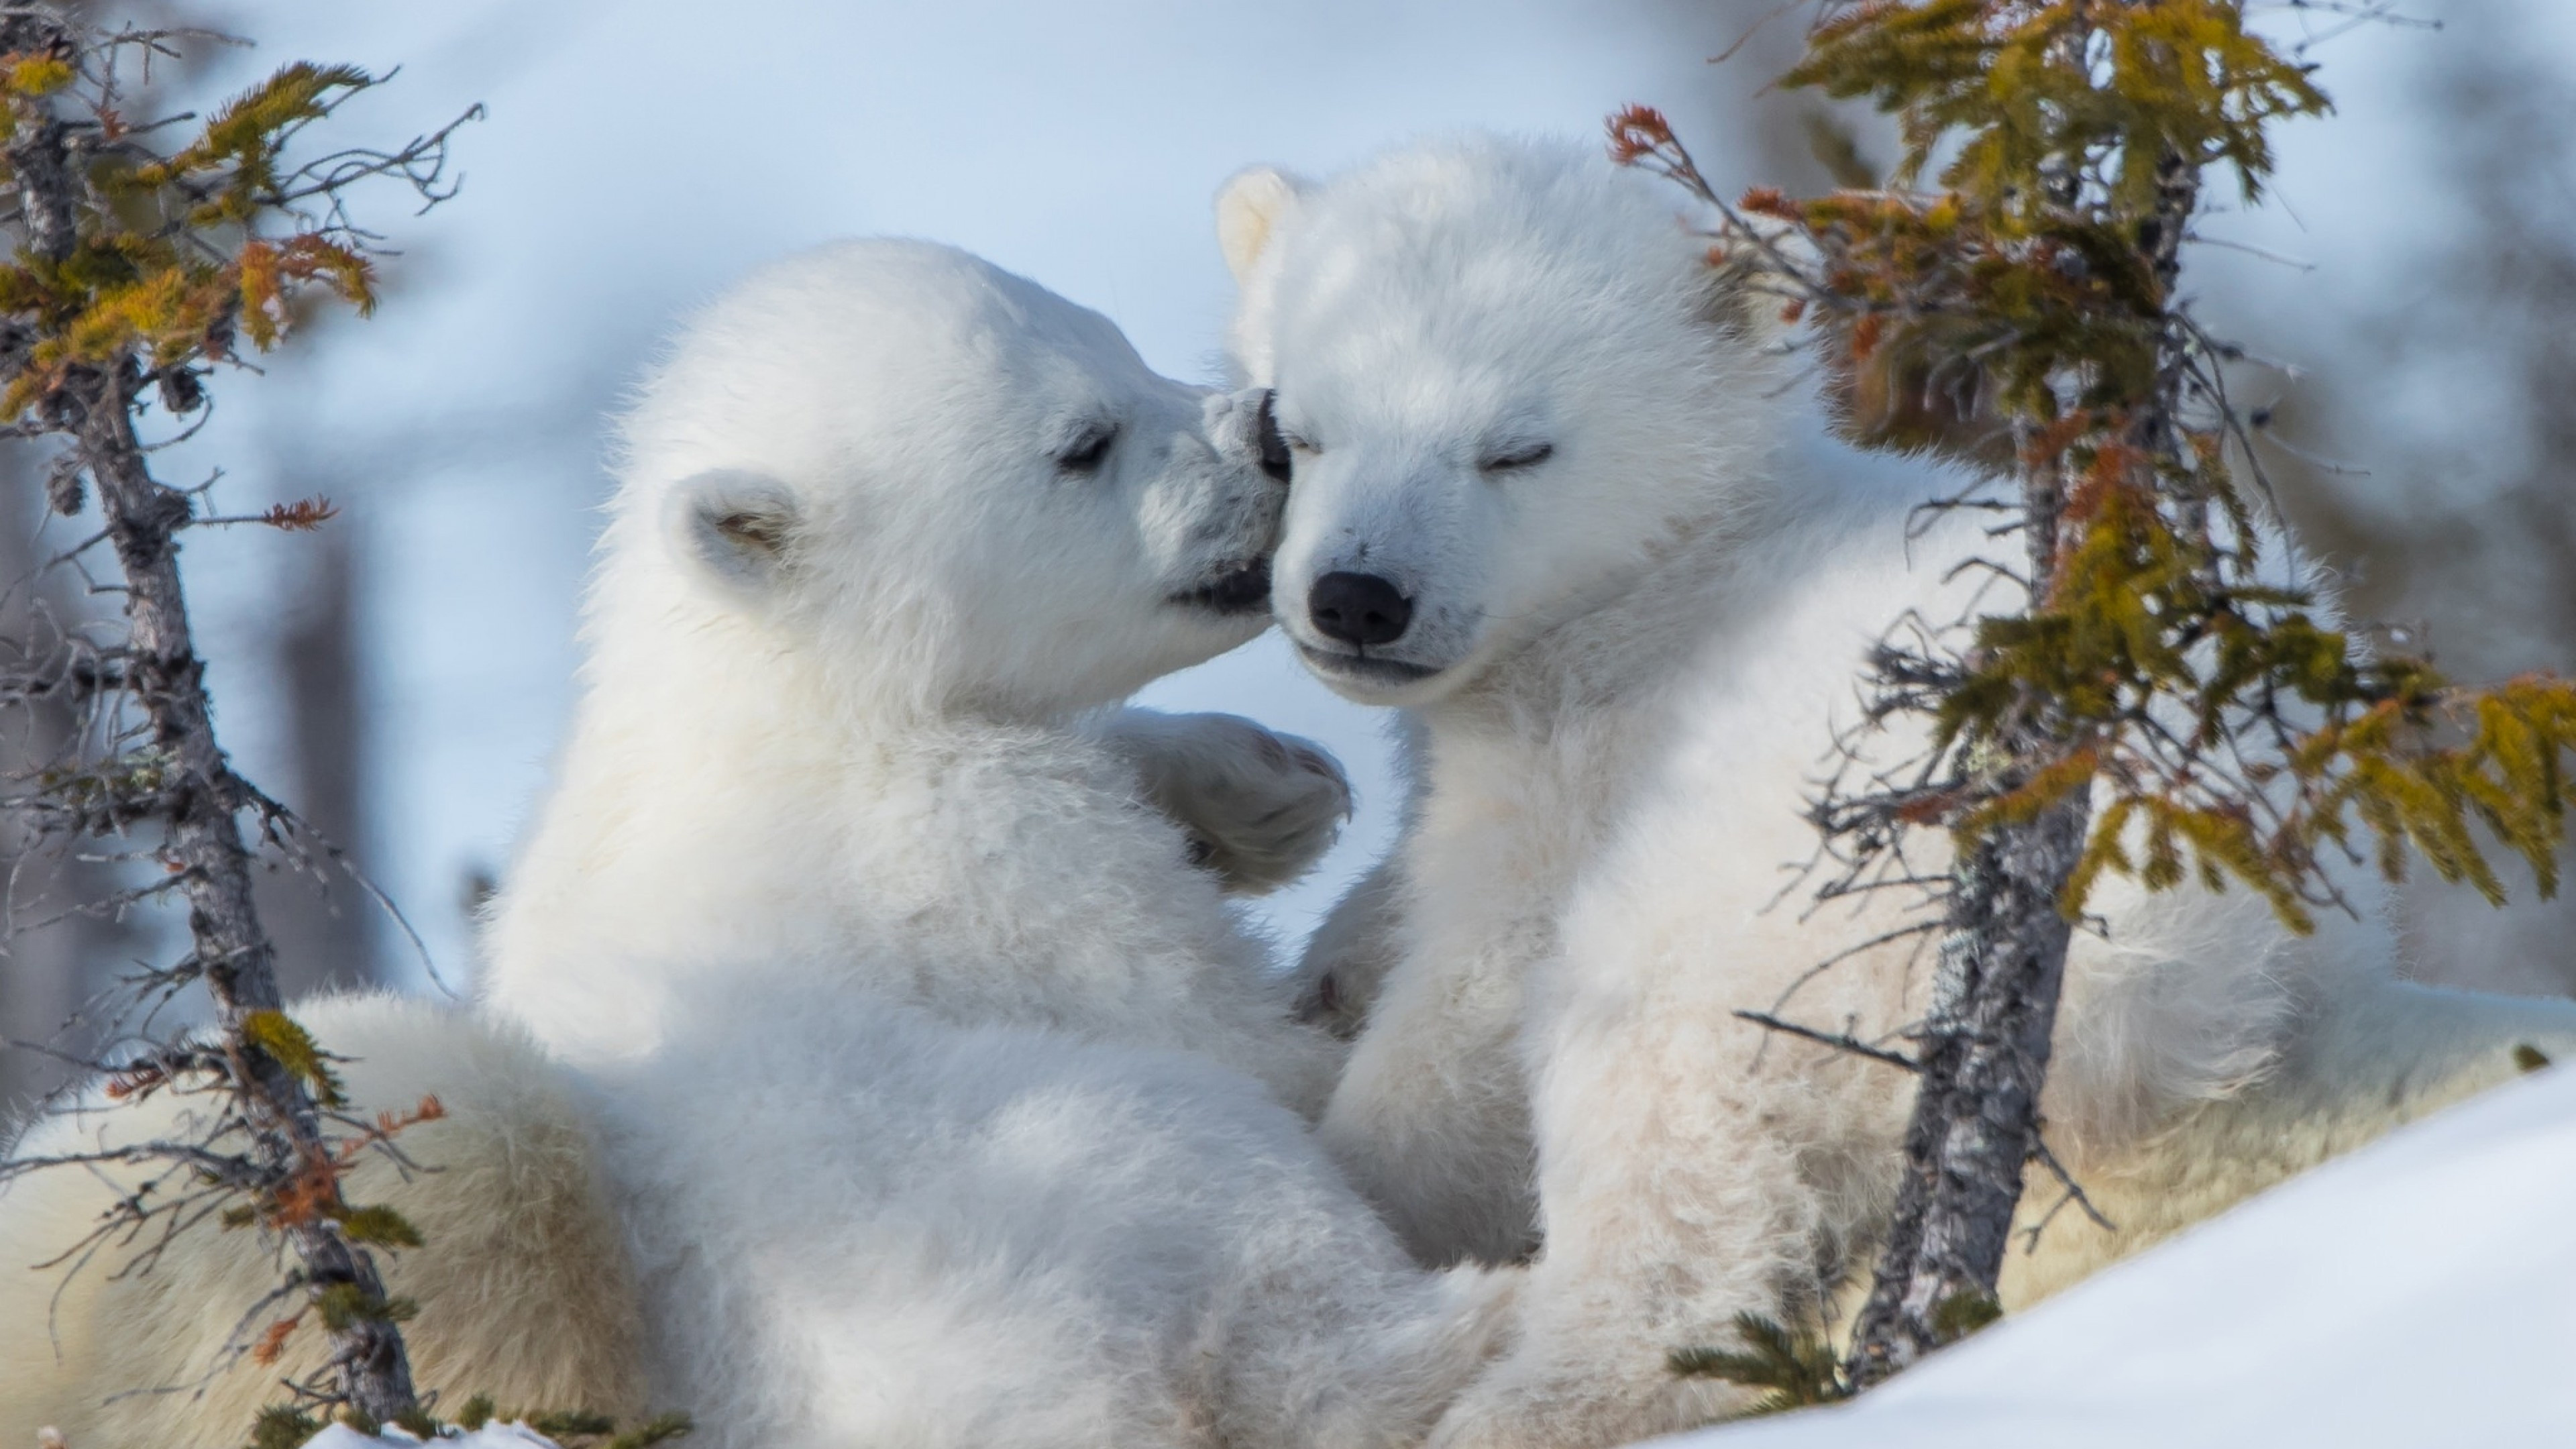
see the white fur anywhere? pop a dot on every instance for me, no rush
(1347, 959)
(1627, 663)
(944, 1094)
(524, 1292)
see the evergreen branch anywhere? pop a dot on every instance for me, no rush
(1794, 1369)
(1839, 1041)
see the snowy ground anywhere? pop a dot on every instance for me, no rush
(2415, 1295)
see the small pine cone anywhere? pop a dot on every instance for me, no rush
(63, 490)
(181, 393)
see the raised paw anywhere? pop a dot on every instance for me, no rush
(1260, 808)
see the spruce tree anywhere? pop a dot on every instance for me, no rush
(2166, 706)
(140, 267)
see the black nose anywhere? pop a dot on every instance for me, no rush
(1358, 608)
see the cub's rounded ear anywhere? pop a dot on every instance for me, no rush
(1249, 210)
(736, 525)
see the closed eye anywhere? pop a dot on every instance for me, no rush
(1519, 455)
(1276, 461)
(1086, 453)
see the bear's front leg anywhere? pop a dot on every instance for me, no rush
(1260, 808)
(1346, 961)
(1689, 1171)
(1660, 1258)
(1431, 1118)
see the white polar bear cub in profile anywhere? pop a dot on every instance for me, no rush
(1532, 432)
(943, 1095)
(910, 1047)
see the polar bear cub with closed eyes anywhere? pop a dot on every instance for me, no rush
(1536, 504)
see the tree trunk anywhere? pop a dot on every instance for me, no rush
(206, 851)
(1985, 1048)
(198, 797)
(1984, 1055)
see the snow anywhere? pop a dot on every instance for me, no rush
(2412, 1294)
(490, 1436)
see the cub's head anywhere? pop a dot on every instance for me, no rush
(1508, 380)
(946, 485)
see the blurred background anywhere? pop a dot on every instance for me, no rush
(400, 677)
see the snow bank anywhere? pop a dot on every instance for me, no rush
(2420, 1292)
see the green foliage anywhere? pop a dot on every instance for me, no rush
(241, 147)
(2142, 613)
(378, 1227)
(282, 1426)
(342, 1304)
(2226, 735)
(33, 75)
(654, 1431)
(1921, 274)
(2029, 92)
(175, 261)
(1798, 1368)
(1793, 1368)
(133, 269)
(579, 1428)
(1962, 1314)
(2044, 103)
(292, 1047)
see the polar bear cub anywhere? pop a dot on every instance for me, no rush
(855, 1021)
(893, 527)
(526, 1291)
(1534, 505)
(947, 1102)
